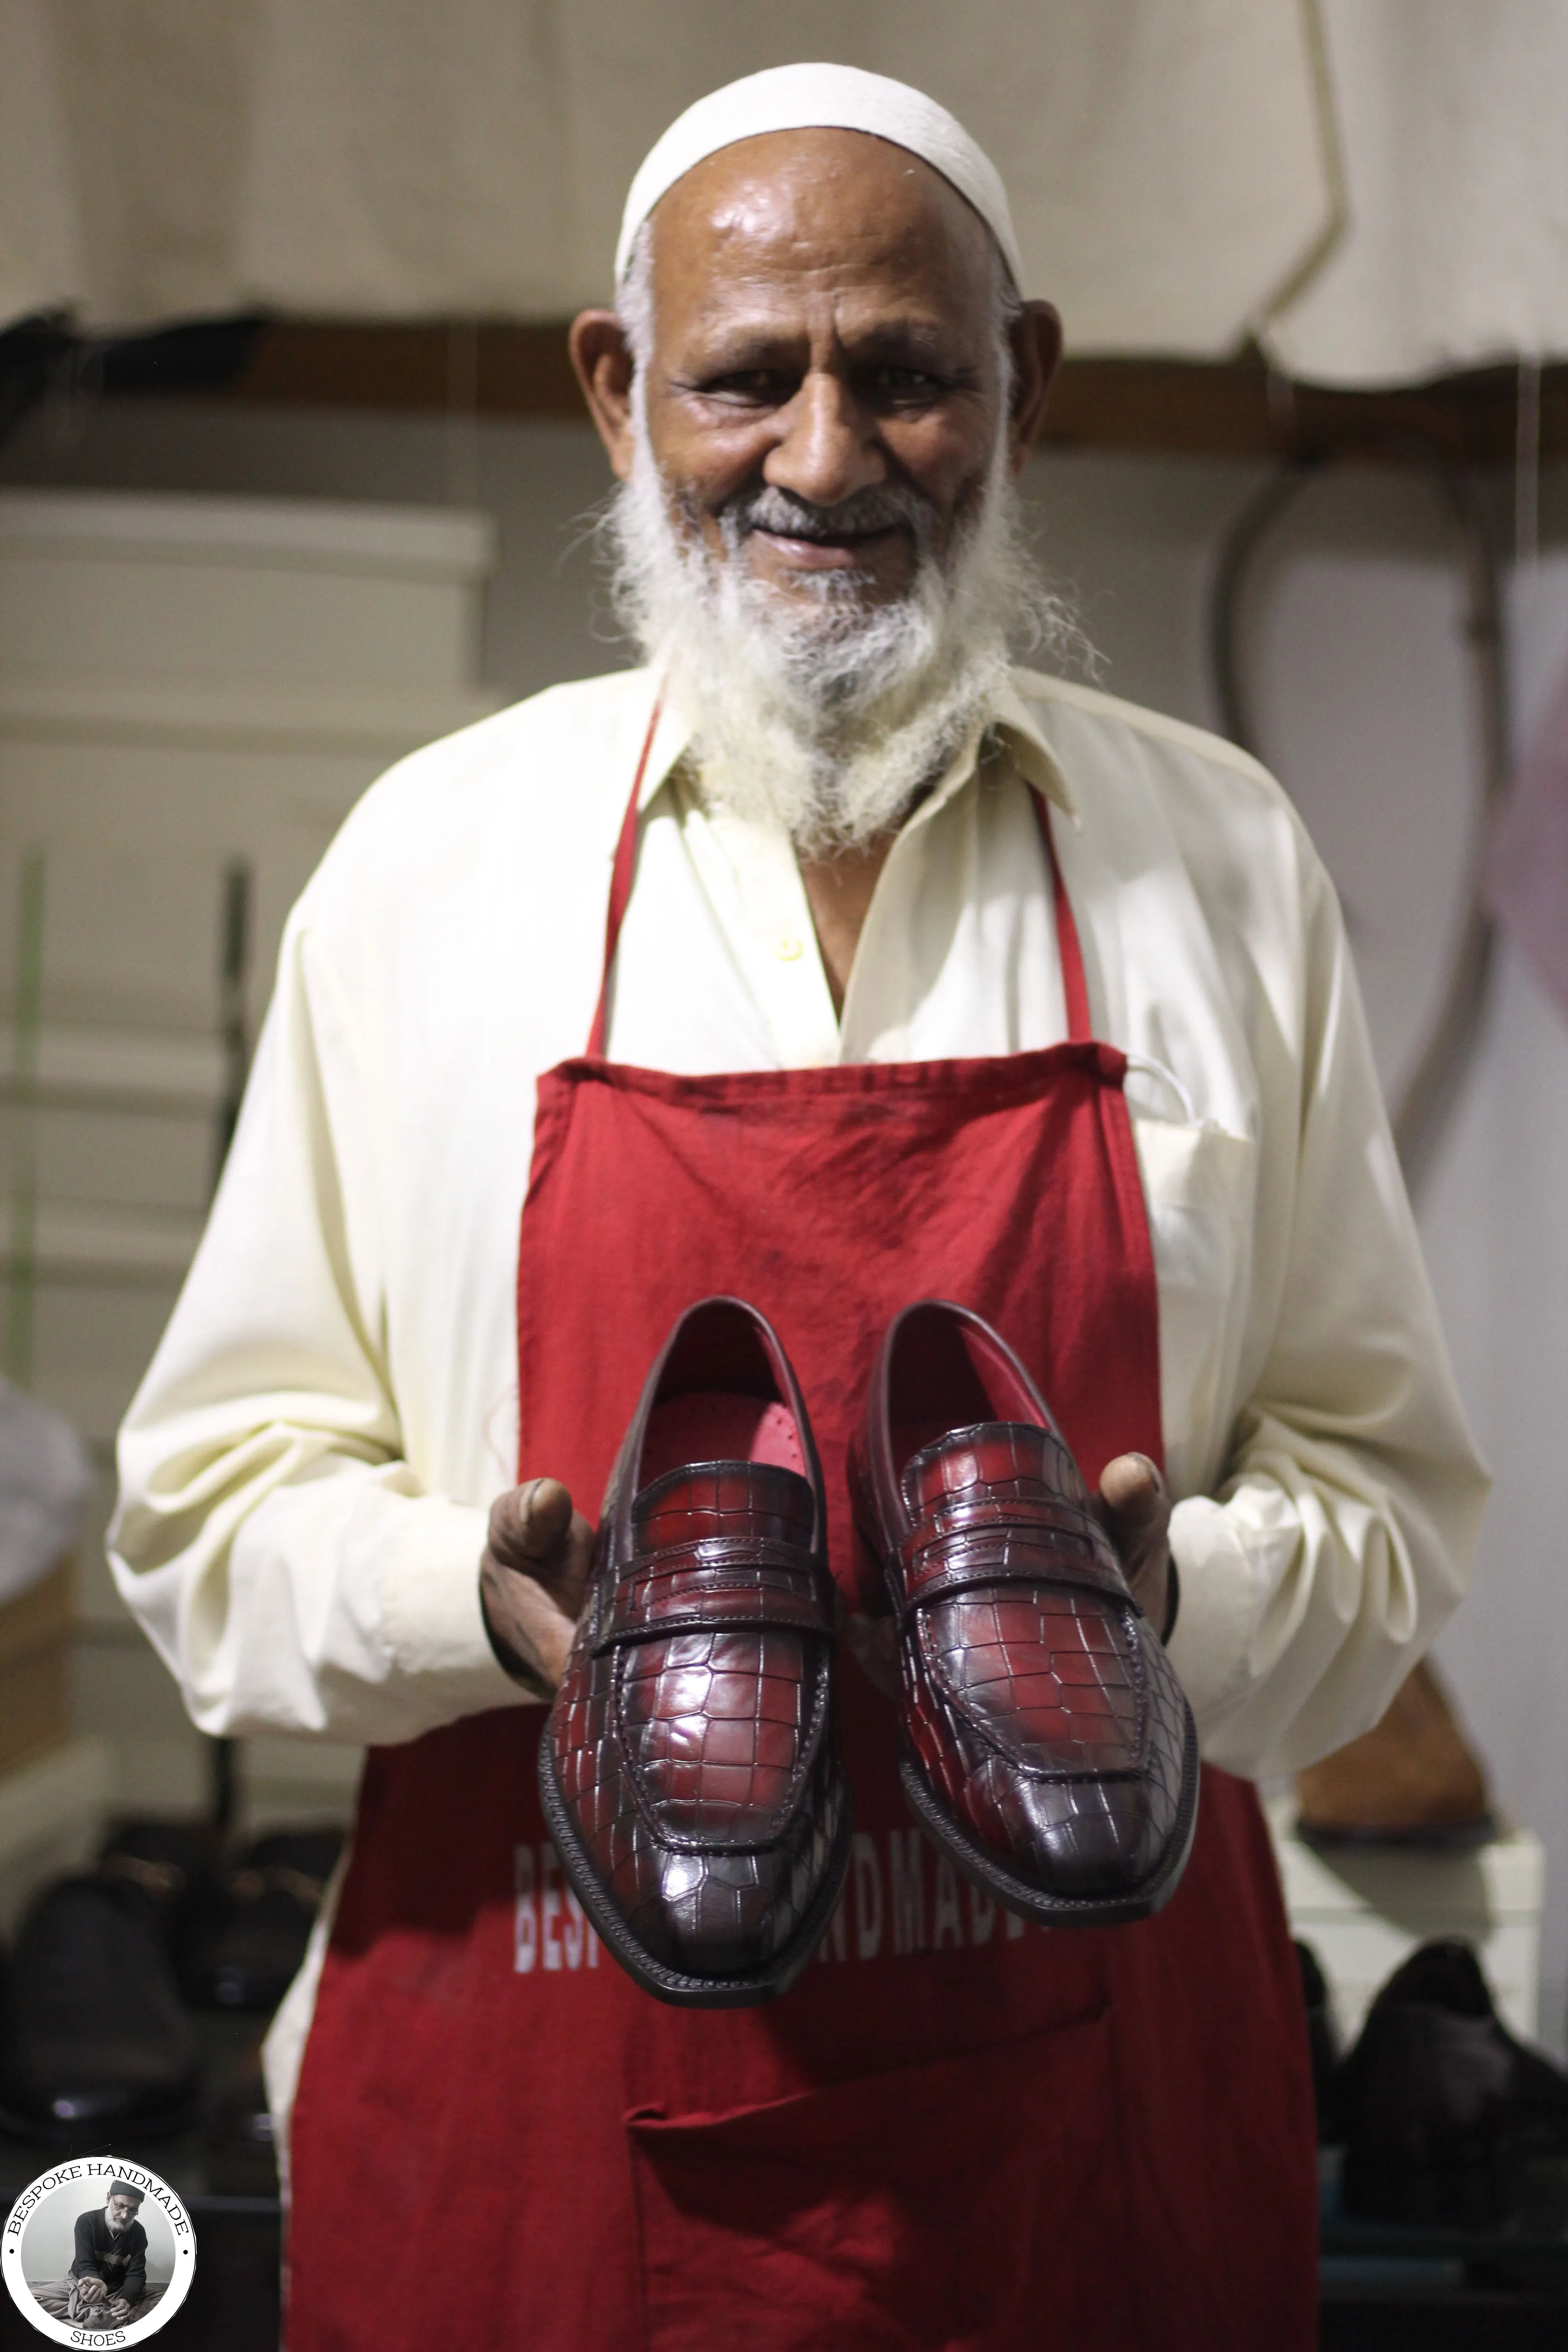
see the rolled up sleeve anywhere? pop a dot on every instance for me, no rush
(270, 1536)
(1341, 1533)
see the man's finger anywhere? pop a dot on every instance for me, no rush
(1135, 1506)
(1132, 1490)
(530, 1527)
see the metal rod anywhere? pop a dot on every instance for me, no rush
(234, 965)
(23, 1260)
(1527, 468)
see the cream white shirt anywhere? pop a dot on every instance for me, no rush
(306, 1471)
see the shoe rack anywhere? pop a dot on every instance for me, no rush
(1365, 1909)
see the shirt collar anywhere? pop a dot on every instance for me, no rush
(1011, 720)
(1015, 722)
(671, 740)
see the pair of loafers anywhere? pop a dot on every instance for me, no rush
(689, 1767)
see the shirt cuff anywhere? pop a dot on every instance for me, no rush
(1213, 1631)
(431, 1615)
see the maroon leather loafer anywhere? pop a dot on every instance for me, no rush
(1047, 1746)
(689, 1767)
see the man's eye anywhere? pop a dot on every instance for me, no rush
(764, 387)
(904, 384)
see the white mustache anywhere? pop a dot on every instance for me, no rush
(882, 506)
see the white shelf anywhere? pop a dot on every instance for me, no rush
(318, 534)
(94, 1244)
(1363, 1909)
(252, 716)
(133, 1070)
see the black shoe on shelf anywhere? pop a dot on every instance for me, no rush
(172, 1867)
(250, 1945)
(1447, 2120)
(95, 2041)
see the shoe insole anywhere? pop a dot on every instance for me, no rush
(911, 1437)
(944, 1376)
(716, 1425)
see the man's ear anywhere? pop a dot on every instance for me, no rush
(1036, 336)
(603, 359)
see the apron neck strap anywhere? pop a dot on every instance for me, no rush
(1075, 992)
(620, 892)
(1074, 989)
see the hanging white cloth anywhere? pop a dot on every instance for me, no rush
(1452, 120)
(1382, 191)
(382, 159)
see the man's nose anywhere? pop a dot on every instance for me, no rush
(828, 450)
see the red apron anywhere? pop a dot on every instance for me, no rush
(956, 2131)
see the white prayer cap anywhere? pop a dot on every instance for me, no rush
(822, 98)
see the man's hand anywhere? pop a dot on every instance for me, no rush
(1134, 1507)
(92, 2288)
(118, 2307)
(533, 1579)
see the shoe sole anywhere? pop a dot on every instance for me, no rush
(983, 1870)
(1440, 1837)
(744, 1990)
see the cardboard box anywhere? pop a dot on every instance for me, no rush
(35, 1647)
(52, 1815)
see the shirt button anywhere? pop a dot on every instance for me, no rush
(788, 947)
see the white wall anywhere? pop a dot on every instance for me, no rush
(1366, 708)
(1495, 1218)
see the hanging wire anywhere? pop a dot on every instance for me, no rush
(1434, 1087)
(1527, 469)
(463, 412)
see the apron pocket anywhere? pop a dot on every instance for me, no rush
(971, 2204)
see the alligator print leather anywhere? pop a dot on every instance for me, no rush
(690, 1767)
(1048, 1744)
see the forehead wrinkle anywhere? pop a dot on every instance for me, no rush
(739, 320)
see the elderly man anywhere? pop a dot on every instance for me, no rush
(106, 2285)
(916, 974)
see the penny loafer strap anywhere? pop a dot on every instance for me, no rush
(943, 1566)
(720, 1585)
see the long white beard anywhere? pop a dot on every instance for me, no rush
(827, 716)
